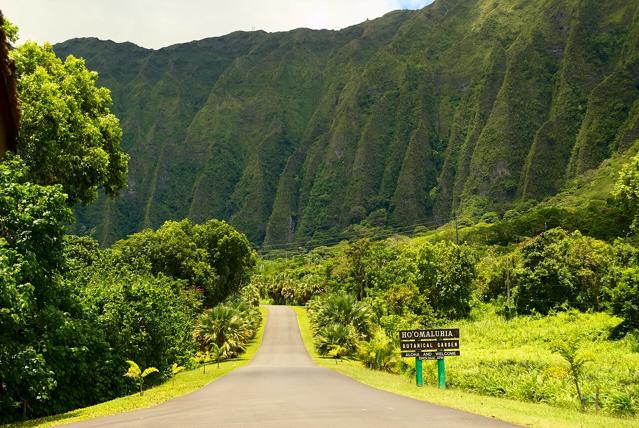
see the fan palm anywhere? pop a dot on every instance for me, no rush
(222, 326)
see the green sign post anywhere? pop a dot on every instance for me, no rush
(434, 344)
(441, 373)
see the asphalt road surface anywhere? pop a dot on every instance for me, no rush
(282, 387)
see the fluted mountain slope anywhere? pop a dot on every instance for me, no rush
(464, 106)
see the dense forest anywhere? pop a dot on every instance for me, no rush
(461, 108)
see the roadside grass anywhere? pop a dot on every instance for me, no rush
(185, 383)
(517, 412)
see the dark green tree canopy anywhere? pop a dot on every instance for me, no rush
(214, 258)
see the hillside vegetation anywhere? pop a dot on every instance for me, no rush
(465, 106)
(549, 317)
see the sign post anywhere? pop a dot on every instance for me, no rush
(441, 374)
(419, 372)
(433, 344)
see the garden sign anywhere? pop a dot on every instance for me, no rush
(432, 344)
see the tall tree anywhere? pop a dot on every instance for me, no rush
(627, 189)
(68, 134)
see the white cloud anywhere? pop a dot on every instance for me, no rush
(157, 23)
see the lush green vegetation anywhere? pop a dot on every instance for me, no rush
(68, 134)
(181, 383)
(74, 317)
(548, 291)
(73, 314)
(524, 413)
(551, 319)
(466, 107)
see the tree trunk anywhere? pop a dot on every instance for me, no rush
(581, 400)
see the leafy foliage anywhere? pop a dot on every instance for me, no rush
(144, 318)
(226, 329)
(379, 353)
(10, 30)
(569, 350)
(213, 258)
(137, 375)
(68, 134)
(446, 275)
(34, 301)
(624, 299)
(339, 320)
(627, 188)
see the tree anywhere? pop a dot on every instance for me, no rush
(446, 272)
(137, 375)
(34, 304)
(591, 262)
(231, 255)
(357, 253)
(544, 280)
(10, 30)
(577, 360)
(214, 258)
(145, 318)
(175, 369)
(68, 134)
(624, 300)
(627, 189)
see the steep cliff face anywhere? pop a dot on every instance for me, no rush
(464, 106)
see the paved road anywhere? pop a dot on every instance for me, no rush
(282, 387)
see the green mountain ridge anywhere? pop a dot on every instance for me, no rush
(465, 106)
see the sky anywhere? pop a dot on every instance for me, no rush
(159, 23)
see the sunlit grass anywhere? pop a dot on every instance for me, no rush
(183, 383)
(518, 412)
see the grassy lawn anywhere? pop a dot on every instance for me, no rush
(184, 383)
(518, 412)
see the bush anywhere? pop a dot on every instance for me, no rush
(556, 270)
(212, 258)
(338, 319)
(446, 272)
(624, 300)
(144, 318)
(227, 328)
(379, 353)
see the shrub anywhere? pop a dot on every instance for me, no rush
(144, 318)
(446, 272)
(379, 353)
(212, 257)
(624, 300)
(227, 328)
(338, 319)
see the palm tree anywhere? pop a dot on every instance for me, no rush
(138, 375)
(222, 326)
(203, 358)
(175, 369)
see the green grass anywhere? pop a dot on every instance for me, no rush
(185, 383)
(518, 412)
